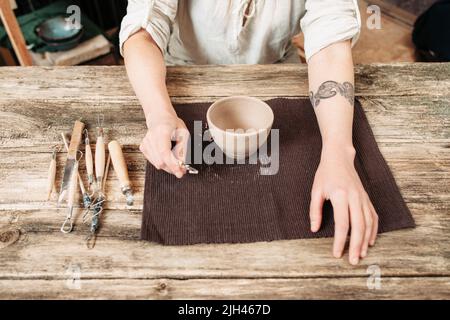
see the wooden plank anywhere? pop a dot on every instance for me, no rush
(105, 85)
(422, 178)
(35, 124)
(145, 289)
(123, 222)
(42, 251)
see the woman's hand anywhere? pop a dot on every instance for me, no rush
(157, 146)
(337, 180)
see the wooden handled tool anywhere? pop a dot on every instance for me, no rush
(87, 201)
(89, 160)
(73, 186)
(100, 159)
(71, 158)
(51, 175)
(120, 167)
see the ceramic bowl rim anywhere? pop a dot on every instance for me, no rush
(240, 134)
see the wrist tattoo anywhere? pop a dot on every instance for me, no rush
(329, 89)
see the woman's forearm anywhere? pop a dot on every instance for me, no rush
(331, 70)
(147, 73)
(331, 79)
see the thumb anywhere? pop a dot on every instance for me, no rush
(182, 140)
(315, 209)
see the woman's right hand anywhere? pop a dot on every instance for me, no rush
(157, 146)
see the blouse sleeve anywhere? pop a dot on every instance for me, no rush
(155, 16)
(329, 21)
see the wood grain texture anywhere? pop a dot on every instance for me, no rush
(248, 289)
(201, 83)
(408, 107)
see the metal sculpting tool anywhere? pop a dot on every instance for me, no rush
(67, 226)
(71, 159)
(87, 199)
(89, 160)
(189, 169)
(97, 206)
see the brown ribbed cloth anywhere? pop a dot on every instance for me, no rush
(235, 203)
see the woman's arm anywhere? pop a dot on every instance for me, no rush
(146, 69)
(331, 82)
(147, 73)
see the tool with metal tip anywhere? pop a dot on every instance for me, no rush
(100, 156)
(97, 206)
(120, 167)
(189, 169)
(51, 175)
(89, 159)
(87, 200)
(97, 209)
(71, 158)
(67, 226)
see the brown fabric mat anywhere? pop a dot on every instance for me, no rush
(234, 203)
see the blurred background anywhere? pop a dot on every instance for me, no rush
(98, 43)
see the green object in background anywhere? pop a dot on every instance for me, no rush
(30, 21)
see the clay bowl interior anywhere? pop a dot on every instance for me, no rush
(240, 112)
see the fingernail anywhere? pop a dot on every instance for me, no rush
(363, 254)
(354, 260)
(314, 225)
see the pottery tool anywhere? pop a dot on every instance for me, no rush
(189, 169)
(97, 209)
(108, 163)
(87, 200)
(89, 160)
(67, 226)
(71, 158)
(52, 174)
(100, 154)
(120, 167)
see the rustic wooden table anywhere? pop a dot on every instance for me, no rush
(408, 106)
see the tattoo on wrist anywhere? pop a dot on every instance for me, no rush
(329, 89)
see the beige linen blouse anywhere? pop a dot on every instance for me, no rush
(240, 31)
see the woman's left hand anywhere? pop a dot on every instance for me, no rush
(337, 180)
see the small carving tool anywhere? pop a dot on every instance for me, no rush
(71, 158)
(120, 167)
(52, 174)
(87, 200)
(189, 169)
(89, 160)
(100, 156)
(67, 226)
(97, 206)
(97, 210)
